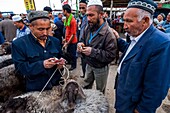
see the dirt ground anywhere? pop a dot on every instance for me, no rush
(110, 92)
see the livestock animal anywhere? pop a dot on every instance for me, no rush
(68, 99)
(5, 48)
(10, 84)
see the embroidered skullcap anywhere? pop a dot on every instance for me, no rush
(34, 15)
(147, 5)
(95, 2)
(83, 1)
(16, 18)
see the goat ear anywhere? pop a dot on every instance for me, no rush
(81, 92)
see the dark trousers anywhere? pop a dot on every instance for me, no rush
(71, 49)
(83, 64)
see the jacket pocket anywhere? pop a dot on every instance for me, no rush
(33, 56)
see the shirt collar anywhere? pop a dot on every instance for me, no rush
(136, 39)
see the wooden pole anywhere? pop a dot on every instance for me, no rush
(111, 8)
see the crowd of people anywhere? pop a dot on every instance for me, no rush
(41, 47)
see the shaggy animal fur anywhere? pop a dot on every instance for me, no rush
(51, 102)
(10, 85)
(5, 48)
(6, 63)
(4, 58)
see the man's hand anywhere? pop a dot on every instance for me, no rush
(115, 33)
(87, 50)
(49, 63)
(65, 45)
(80, 47)
(136, 111)
(61, 63)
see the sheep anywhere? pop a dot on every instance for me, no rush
(5, 48)
(61, 100)
(5, 60)
(166, 103)
(5, 57)
(10, 85)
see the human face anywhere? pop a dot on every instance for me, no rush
(132, 25)
(82, 8)
(93, 17)
(18, 25)
(50, 15)
(64, 12)
(160, 18)
(41, 28)
(60, 16)
(168, 17)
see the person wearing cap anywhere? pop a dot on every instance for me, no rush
(144, 69)
(160, 18)
(49, 10)
(35, 55)
(97, 46)
(165, 26)
(70, 42)
(7, 28)
(84, 22)
(22, 28)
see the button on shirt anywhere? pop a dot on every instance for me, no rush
(134, 40)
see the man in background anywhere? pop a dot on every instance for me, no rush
(7, 28)
(22, 28)
(70, 42)
(58, 32)
(83, 8)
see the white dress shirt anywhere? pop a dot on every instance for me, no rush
(134, 40)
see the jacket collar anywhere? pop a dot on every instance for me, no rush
(141, 42)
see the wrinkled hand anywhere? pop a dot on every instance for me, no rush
(87, 50)
(115, 33)
(79, 47)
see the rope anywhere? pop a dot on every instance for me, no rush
(62, 74)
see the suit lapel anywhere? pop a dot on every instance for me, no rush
(140, 43)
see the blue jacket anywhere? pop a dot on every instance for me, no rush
(83, 25)
(144, 76)
(28, 56)
(2, 39)
(166, 25)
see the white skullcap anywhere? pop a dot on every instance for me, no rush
(95, 2)
(118, 14)
(16, 18)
